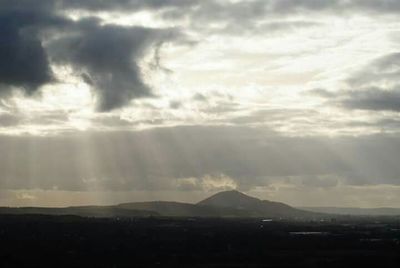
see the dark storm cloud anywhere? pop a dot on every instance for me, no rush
(24, 62)
(108, 56)
(27, 5)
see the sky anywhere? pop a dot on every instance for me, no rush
(103, 102)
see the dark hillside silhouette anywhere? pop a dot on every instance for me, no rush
(223, 204)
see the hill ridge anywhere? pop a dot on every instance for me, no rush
(223, 204)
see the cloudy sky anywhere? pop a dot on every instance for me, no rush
(113, 101)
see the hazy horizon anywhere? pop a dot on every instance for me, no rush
(112, 199)
(295, 101)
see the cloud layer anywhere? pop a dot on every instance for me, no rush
(195, 158)
(269, 96)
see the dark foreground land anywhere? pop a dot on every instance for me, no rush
(70, 241)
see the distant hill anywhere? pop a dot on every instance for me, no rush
(223, 204)
(356, 211)
(255, 206)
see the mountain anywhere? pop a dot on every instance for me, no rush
(255, 206)
(233, 198)
(356, 211)
(223, 204)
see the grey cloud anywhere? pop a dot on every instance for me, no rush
(292, 6)
(246, 12)
(383, 6)
(116, 122)
(389, 62)
(273, 115)
(43, 6)
(224, 9)
(199, 97)
(375, 87)
(24, 62)
(209, 182)
(389, 123)
(320, 181)
(288, 25)
(7, 120)
(265, 28)
(126, 5)
(217, 10)
(53, 118)
(155, 159)
(247, 17)
(323, 93)
(108, 55)
(372, 99)
(384, 70)
(175, 104)
(114, 74)
(14, 118)
(202, 13)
